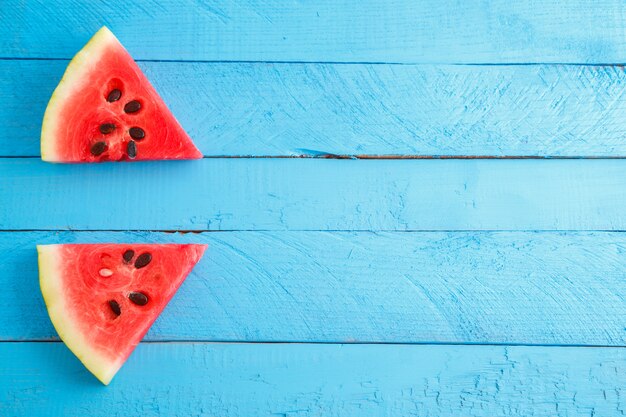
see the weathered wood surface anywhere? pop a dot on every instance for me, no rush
(312, 380)
(314, 194)
(255, 109)
(454, 287)
(405, 31)
(311, 79)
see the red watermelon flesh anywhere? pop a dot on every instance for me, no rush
(105, 109)
(103, 298)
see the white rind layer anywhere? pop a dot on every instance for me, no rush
(51, 283)
(73, 79)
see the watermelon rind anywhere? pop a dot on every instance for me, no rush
(50, 281)
(73, 80)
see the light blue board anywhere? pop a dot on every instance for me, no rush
(313, 109)
(407, 31)
(456, 287)
(315, 194)
(317, 380)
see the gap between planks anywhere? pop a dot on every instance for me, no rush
(278, 231)
(378, 157)
(304, 62)
(293, 342)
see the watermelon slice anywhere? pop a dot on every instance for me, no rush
(103, 298)
(105, 109)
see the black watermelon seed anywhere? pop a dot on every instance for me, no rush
(98, 148)
(138, 298)
(143, 260)
(132, 106)
(131, 149)
(136, 133)
(107, 128)
(114, 95)
(128, 255)
(115, 307)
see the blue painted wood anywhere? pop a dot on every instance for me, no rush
(44, 379)
(315, 194)
(312, 109)
(391, 31)
(467, 287)
(472, 287)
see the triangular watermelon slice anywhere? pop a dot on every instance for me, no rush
(103, 298)
(105, 109)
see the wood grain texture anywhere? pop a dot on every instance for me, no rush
(315, 194)
(44, 379)
(337, 31)
(257, 78)
(314, 109)
(490, 287)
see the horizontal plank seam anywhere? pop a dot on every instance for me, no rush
(199, 231)
(411, 63)
(381, 157)
(264, 342)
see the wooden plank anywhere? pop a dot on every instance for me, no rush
(311, 109)
(311, 380)
(315, 194)
(489, 287)
(370, 31)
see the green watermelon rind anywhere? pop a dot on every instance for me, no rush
(51, 283)
(74, 77)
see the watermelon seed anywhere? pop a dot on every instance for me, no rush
(143, 260)
(138, 298)
(132, 106)
(115, 307)
(136, 133)
(107, 128)
(114, 95)
(98, 148)
(131, 149)
(105, 272)
(128, 255)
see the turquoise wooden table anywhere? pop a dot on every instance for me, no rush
(412, 208)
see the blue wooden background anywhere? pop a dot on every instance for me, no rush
(412, 208)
